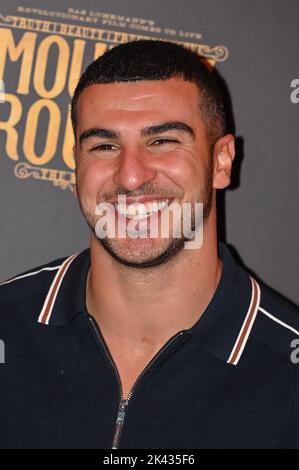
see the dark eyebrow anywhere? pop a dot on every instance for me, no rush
(97, 132)
(145, 131)
(168, 126)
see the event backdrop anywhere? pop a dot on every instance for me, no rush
(45, 46)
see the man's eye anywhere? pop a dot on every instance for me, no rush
(164, 141)
(103, 147)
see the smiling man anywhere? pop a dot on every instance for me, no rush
(143, 341)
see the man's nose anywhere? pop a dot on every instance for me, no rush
(134, 169)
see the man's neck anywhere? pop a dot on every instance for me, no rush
(138, 310)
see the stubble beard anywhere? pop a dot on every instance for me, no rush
(151, 252)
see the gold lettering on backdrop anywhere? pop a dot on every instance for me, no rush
(9, 125)
(52, 132)
(63, 179)
(76, 64)
(68, 143)
(25, 48)
(217, 53)
(99, 49)
(31, 55)
(61, 66)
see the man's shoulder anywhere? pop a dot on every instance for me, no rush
(277, 322)
(29, 284)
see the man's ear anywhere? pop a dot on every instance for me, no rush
(74, 188)
(223, 156)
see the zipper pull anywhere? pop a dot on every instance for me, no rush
(119, 423)
(121, 411)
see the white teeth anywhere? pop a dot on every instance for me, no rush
(140, 211)
(130, 210)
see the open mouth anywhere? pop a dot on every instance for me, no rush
(140, 211)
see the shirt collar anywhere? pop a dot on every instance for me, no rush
(67, 293)
(225, 325)
(223, 328)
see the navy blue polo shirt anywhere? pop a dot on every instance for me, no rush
(230, 381)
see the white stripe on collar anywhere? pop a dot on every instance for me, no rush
(47, 309)
(33, 273)
(247, 324)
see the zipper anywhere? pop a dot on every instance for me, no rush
(119, 423)
(123, 403)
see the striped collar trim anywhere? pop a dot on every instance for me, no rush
(248, 323)
(65, 298)
(29, 274)
(224, 328)
(47, 309)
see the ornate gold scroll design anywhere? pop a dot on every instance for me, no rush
(217, 53)
(60, 178)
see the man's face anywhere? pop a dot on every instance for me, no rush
(135, 158)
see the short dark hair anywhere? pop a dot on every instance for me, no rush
(158, 60)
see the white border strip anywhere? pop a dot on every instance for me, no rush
(249, 327)
(278, 321)
(51, 268)
(65, 265)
